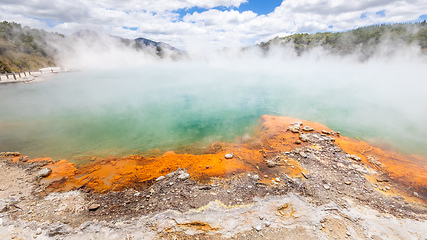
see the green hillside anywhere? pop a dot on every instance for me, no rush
(363, 40)
(23, 48)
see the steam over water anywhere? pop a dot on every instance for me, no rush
(172, 105)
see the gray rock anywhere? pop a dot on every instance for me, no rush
(38, 231)
(326, 132)
(416, 194)
(3, 206)
(307, 129)
(326, 187)
(294, 129)
(44, 172)
(229, 156)
(160, 178)
(258, 228)
(355, 157)
(23, 158)
(255, 177)
(58, 229)
(93, 207)
(271, 164)
(184, 176)
(298, 123)
(304, 137)
(169, 175)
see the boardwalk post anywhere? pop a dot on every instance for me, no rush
(19, 75)
(7, 76)
(14, 76)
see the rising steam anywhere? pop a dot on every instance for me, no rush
(125, 99)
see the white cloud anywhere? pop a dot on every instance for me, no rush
(159, 21)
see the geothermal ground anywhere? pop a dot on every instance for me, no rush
(292, 180)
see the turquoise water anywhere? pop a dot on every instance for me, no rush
(171, 106)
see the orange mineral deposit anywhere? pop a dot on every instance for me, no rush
(222, 159)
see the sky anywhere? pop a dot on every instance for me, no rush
(208, 24)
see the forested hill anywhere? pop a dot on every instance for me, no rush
(364, 40)
(23, 48)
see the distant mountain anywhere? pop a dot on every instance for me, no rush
(148, 42)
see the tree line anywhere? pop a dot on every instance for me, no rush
(365, 40)
(25, 49)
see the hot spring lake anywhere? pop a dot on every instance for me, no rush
(171, 106)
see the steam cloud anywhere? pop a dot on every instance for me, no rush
(124, 99)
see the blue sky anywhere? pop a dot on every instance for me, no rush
(209, 23)
(257, 6)
(260, 6)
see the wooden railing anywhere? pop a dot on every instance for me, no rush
(26, 76)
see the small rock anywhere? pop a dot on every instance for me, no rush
(307, 129)
(271, 164)
(160, 178)
(229, 156)
(23, 159)
(355, 157)
(297, 142)
(416, 194)
(382, 180)
(258, 228)
(255, 177)
(325, 132)
(169, 175)
(387, 187)
(249, 186)
(58, 229)
(347, 183)
(298, 123)
(3, 206)
(304, 175)
(184, 176)
(326, 187)
(93, 207)
(277, 179)
(44, 172)
(348, 233)
(38, 231)
(294, 129)
(267, 224)
(304, 137)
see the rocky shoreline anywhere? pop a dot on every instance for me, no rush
(334, 195)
